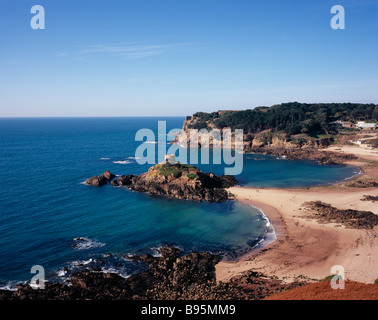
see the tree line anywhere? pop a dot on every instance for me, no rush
(292, 118)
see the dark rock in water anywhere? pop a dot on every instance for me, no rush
(96, 181)
(108, 176)
(148, 258)
(100, 180)
(123, 180)
(97, 269)
(78, 242)
(80, 239)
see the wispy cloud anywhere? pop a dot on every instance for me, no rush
(12, 62)
(132, 51)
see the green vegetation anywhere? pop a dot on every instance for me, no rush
(376, 281)
(330, 277)
(191, 176)
(327, 278)
(200, 124)
(291, 118)
(176, 170)
(325, 136)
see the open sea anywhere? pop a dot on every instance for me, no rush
(44, 205)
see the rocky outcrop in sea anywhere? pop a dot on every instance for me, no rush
(100, 180)
(179, 181)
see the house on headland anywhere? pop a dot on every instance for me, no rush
(366, 125)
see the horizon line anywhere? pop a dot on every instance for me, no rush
(67, 117)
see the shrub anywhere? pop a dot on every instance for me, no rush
(327, 278)
(191, 176)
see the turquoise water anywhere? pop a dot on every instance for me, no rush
(44, 204)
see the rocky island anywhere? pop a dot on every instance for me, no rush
(179, 181)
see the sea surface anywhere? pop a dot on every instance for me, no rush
(49, 217)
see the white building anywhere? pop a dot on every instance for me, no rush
(365, 125)
(170, 158)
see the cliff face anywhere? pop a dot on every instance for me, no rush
(206, 137)
(178, 181)
(280, 140)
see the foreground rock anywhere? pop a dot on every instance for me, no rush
(171, 276)
(180, 181)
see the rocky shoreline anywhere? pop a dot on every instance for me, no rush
(171, 276)
(321, 157)
(178, 181)
(351, 218)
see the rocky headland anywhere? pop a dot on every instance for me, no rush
(261, 139)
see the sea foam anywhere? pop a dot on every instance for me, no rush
(82, 243)
(122, 162)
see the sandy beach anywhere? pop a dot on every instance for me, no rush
(306, 249)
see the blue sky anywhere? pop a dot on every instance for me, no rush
(176, 57)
